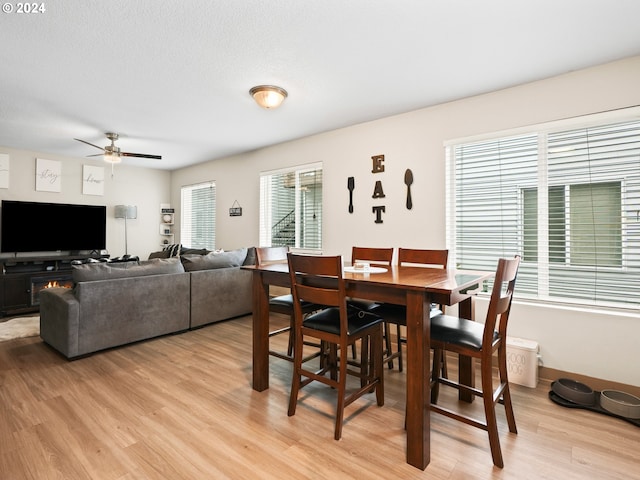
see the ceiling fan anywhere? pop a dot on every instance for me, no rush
(113, 154)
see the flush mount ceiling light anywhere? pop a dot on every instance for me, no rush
(268, 96)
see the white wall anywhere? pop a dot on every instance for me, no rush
(145, 188)
(589, 342)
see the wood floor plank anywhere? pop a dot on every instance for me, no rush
(182, 407)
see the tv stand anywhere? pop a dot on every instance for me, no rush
(23, 277)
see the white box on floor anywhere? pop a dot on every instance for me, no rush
(522, 361)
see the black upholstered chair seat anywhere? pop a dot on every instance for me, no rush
(458, 331)
(287, 301)
(398, 313)
(361, 304)
(328, 320)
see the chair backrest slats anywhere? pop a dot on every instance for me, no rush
(423, 257)
(430, 258)
(317, 279)
(501, 299)
(318, 295)
(381, 256)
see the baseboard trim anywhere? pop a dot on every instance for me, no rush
(597, 384)
(551, 374)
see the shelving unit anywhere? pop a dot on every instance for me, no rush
(21, 278)
(166, 224)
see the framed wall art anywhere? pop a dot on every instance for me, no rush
(4, 170)
(48, 175)
(92, 180)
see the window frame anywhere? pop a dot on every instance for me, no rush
(312, 244)
(569, 248)
(187, 217)
(543, 290)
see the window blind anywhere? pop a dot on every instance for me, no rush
(291, 207)
(198, 216)
(567, 201)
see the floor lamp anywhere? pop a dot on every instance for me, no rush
(126, 211)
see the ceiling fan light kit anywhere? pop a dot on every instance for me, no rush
(268, 96)
(112, 157)
(113, 154)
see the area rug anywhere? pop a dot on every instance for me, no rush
(19, 327)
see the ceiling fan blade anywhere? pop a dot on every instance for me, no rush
(141, 155)
(96, 155)
(89, 144)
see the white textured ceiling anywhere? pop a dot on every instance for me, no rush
(172, 77)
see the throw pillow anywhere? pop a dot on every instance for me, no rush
(251, 257)
(162, 254)
(174, 249)
(232, 258)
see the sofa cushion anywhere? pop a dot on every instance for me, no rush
(105, 271)
(194, 251)
(160, 254)
(213, 260)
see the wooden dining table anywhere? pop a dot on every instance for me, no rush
(412, 286)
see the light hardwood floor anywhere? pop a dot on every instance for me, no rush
(182, 407)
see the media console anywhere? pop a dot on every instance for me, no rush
(22, 278)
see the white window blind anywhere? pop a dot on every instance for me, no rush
(198, 214)
(291, 208)
(567, 201)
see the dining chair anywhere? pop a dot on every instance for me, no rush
(380, 256)
(282, 303)
(480, 341)
(319, 280)
(397, 314)
(377, 257)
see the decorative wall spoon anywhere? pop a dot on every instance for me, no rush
(408, 180)
(351, 184)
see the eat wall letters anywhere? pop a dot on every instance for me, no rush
(378, 191)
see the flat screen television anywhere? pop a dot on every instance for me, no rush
(51, 227)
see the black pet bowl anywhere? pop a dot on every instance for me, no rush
(574, 391)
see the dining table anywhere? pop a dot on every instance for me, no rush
(415, 287)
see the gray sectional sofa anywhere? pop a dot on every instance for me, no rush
(114, 304)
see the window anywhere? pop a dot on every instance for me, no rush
(584, 224)
(198, 213)
(566, 200)
(291, 208)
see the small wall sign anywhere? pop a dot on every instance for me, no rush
(235, 210)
